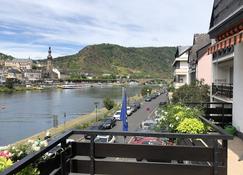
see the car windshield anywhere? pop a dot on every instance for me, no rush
(108, 121)
(101, 140)
(148, 124)
(118, 113)
(151, 142)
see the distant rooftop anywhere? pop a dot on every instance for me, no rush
(199, 41)
(181, 50)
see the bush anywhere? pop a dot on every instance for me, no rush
(172, 115)
(5, 163)
(195, 92)
(146, 90)
(9, 83)
(108, 103)
(191, 126)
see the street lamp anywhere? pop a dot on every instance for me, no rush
(96, 105)
(147, 92)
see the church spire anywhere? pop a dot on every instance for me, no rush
(49, 54)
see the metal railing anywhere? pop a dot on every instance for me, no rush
(197, 154)
(221, 53)
(216, 112)
(223, 90)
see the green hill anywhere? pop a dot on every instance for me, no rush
(5, 57)
(118, 60)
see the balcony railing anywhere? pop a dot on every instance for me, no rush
(222, 53)
(197, 154)
(222, 90)
(218, 113)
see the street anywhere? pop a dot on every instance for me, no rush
(145, 112)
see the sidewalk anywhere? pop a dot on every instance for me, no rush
(235, 156)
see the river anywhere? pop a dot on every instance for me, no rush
(27, 113)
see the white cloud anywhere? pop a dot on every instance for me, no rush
(69, 25)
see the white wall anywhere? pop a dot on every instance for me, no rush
(238, 88)
(221, 72)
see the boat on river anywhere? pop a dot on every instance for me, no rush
(72, 86)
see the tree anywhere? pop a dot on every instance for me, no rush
(146, 90)
(9, 83)
(108, 103)
(195, 92)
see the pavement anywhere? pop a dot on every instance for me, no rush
(235, 156)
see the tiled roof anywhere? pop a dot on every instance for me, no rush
(222, 9)
(181, 50)
(199, 41)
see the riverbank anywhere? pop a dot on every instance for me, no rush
(74, 123)
(80, 122)
(20, 89)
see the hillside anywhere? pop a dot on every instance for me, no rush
(5, 57)
(118, 60)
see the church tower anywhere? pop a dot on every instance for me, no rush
(49, 66)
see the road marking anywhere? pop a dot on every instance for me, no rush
(152, 111)
(130, 140)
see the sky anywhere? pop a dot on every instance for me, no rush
(29, 27)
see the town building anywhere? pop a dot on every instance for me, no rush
(226, 32)
(180, 66)
(199, 61)
(2, 76)
(204, 65)
(19, 63)
(32, 75)
(15, 74)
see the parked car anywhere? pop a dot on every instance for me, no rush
(129, 110)
(117, 115)
(148, 98)
(154, 95)
(136, 106)
(97, 126)
(148, 124)
(108, 123)
(151, 141)
(162, 103)
(105, 139)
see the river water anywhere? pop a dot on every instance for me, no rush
(27, 113)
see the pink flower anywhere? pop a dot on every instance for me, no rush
(5, 154)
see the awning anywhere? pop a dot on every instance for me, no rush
(227, 42)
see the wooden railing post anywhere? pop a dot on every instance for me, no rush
(215, 157)
(225, 156)
(223, 117)
(92, 155)
(63, 158)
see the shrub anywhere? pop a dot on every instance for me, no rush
(5, 163)
(191, 126)
(172, 115)
(108, 103)
(195, 92)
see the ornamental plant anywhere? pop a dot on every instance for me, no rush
(5, 163)
(191, 126)
(12, 154)
(172, 115)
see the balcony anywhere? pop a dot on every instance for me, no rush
(223, 90)
(181, 71)
(228, 51)
(197, 154)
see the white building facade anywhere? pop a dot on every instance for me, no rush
(226, 31)
(180, 66)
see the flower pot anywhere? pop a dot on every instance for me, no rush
(230, 130)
